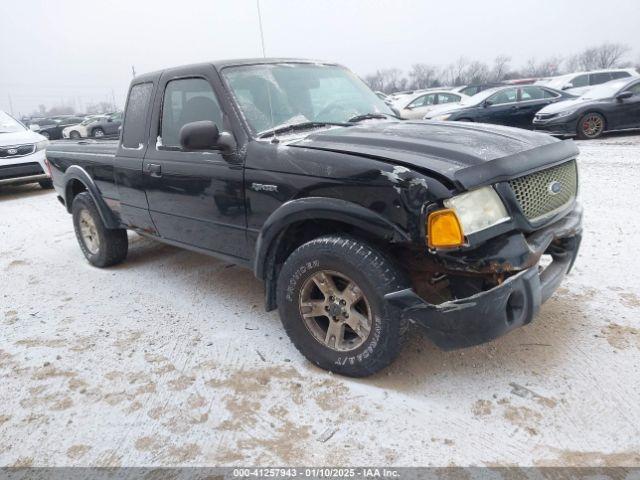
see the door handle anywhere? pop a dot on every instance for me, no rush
(153, 169)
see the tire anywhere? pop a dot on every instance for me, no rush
(100, 245)
(46, 184)
(45, 135)
(591, 125)
(97, 133)
(74, 135)
(346, 261)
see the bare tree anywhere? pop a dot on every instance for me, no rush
(423, 75)
(476, 72)
(545, 68)
(500, 68)
(387, 80)
(607, 55)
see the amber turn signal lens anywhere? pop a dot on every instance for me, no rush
(444, 230)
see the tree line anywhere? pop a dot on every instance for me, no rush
(465, 72)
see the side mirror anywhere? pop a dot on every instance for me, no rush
(567, 86)
(487, 103)
(624, 95)
(201, 135)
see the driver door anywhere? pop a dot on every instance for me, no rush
(501, 109)
(195, 197)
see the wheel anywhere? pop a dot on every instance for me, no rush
(46, 184)
(97, 132)
(45, 135)
(330, 300)
(101, 246)
(591, 125)
(74, 135)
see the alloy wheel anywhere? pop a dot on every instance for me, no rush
(592, 125)
(335, 310)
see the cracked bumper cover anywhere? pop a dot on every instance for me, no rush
(491, 313)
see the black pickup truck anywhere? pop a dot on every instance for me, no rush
(357, 222)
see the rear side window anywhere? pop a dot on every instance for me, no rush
(187, 100)
(531, 93)
(133, 133)
(471, 90)
(448, 98)
(423, 101)
(616, 75)
(598, 78)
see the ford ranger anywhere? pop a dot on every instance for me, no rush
(358, 223)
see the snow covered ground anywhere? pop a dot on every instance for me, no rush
(170, 359)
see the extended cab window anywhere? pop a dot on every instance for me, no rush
(134, 130)
(187, 100)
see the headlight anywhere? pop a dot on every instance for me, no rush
(478, 209)
(41, 145)
(442, 117)
(566, 113)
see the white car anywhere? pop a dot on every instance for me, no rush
(79, 130)
(416, 106)
(22, 157)
(579, 83)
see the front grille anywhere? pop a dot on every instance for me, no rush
(546, 192)
(17, 151)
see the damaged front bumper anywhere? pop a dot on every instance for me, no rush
(491, 313)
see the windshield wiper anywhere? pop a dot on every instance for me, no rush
(290, 127)
(369, 116)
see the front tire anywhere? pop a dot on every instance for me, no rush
(331, 303)
(74, 135)
(97, 133)
(591, 125)
(100, 245)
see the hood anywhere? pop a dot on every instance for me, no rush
(17, 138)
(464, 153)
(564, 105)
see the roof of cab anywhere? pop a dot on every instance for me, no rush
(220, 64)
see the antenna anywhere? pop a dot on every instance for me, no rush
(264, 54)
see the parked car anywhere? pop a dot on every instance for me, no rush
(95, 126)
(580, 82)
(51, 128)
(471, 90)
(511, 106)
(358, 223)
(611, 106)
(417, 105)
(79, 130)
(22, 157)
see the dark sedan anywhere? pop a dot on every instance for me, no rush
(611, 106)
(51, 128)
(514, 106)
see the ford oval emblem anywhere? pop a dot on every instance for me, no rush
(12, 151)
(554, 188)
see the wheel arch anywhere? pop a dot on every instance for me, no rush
(299, 221)
(77, 180)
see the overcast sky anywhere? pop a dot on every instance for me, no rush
(67, 51)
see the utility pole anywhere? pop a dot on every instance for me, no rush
(10, 105)
(264, 54)
(113, 97)
(133, 70)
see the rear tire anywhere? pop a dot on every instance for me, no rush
(97, 133)
(74, 135)
(345, 327)
(46, 184)
(591, 125)
(100, 245)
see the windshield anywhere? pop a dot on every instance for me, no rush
(277, 94)
(606, 90)
(8, 124)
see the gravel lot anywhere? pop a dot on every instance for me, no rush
(169, 359)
